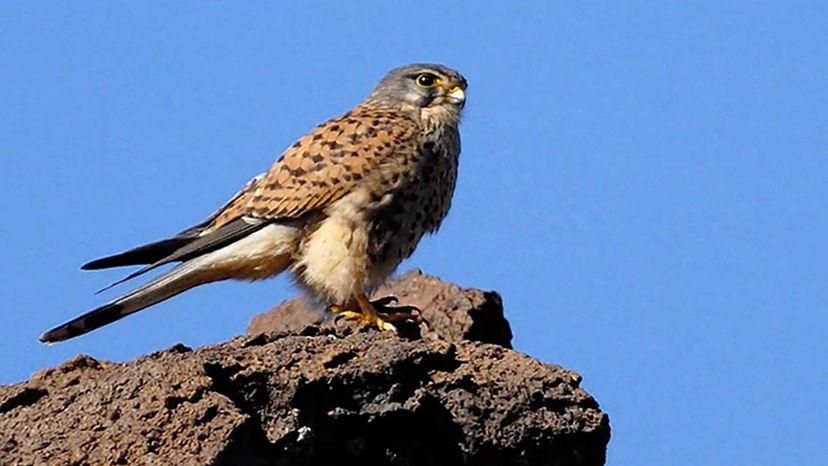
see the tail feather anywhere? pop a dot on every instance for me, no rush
(241, 249)
(163, 287)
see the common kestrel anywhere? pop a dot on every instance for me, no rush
(340, 209)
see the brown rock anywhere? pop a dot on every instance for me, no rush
(329, 394)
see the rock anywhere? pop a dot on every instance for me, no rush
(321, 394)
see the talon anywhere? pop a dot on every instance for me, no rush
(350, 315)
(377, 313)
(382, 302)
(386, 326)
(402, 315)
(396, 313)
(343, 313)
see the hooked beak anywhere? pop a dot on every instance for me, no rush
(457, 96)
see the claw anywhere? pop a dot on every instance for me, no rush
(348, 315)
(383, 302)
(396, 313)
(377, 313)
(385, 326)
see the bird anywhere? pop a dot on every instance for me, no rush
(339, 210)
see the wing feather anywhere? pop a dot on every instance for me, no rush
(156, 251)
(327, 164)
(203, 244)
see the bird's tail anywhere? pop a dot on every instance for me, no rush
(177, 280)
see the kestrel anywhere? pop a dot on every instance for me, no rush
(340, 209)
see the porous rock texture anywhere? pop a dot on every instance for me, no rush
(298, 392)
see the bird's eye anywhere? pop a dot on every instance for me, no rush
(427, 80)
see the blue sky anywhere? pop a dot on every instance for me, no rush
(643, 182)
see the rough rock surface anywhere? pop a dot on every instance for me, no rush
(321, 394)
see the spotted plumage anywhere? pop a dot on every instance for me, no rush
(340, 209)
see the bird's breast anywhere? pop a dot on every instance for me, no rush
(414, 200)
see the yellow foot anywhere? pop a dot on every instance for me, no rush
(377, 313)
(371, 318)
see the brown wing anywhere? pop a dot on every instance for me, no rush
(325, 165)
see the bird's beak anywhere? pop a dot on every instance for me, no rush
(457, 96)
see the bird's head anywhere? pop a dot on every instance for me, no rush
(422, 86)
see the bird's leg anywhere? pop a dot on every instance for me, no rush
(361, 309)
(377, 312)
